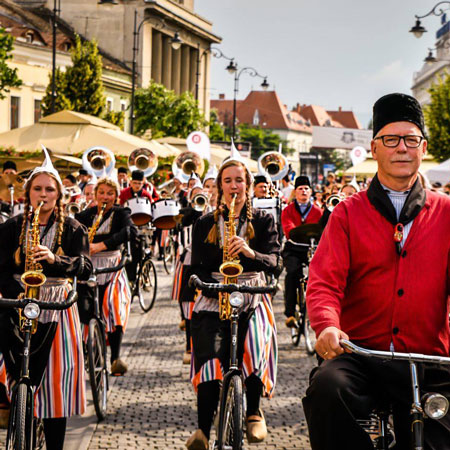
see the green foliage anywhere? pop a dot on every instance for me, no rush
(164, 113)
(262, 140)
(8, 76)
(84, 86)
(216, 132)
(437, 118)
(116, 118)
(61, 101)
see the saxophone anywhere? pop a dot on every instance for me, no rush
(93, 229)
(231, 267)
(33, 278)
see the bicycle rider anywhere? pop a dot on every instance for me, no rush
(56, 359)
(380, 277)
(256, 244)
(299, 212)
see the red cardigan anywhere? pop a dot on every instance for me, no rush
(291, 218)
(127, 193)
(360, 284)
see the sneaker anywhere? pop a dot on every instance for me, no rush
(187, 357)
(256, 428)
(197, 441)
(118, 368)
(291, 322)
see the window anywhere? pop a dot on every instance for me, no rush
(123, 105)
(109, 104)
(15, 111)
(29, 37)
(37, 110)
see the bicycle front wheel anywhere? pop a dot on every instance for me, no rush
(147, 285)
(231, 416)
(98, 375)
(17, 423)
(310, 335)
(169, 255)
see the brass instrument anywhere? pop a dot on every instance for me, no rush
(333, 201)
(99, 160)
(200, 202)
(231, 267)
(186, 163)
(33, 278)
(274, 164)
(72, 209)
(92, 230)
(143, 159)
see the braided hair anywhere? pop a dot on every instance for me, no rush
(59, 212)
(214, 231)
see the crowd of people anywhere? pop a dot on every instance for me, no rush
(382, 262)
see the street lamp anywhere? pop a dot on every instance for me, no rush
(438, 10)
(237, 74)
(217, 53)
(56, 11)
(175, 41)
(430, 58)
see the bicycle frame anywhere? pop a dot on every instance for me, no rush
(417, 411)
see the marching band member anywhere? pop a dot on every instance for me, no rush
(9, 168)
(382, 263)
(210, 185)
(261, 186)
(112, 222)
(83, 178)
(69, 181)
(297, 213)
(57, 355)
(257, 246)
(136, 188)
(122, 177)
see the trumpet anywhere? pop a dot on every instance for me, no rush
(200, 202)
(333, 201)
(72, 208)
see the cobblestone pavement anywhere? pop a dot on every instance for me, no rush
(153, 406)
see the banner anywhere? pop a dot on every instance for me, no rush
(348, 138)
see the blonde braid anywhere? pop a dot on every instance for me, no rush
(61, 219)
(214, 231)
(250, 233)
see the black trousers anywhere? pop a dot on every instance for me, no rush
(350, 386)
(292, 261)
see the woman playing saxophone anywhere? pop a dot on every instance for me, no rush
(221, 238)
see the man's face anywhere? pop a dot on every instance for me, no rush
(122, 177)
(10, 172)
(83, 178)
(303, 193)
(261, 190)
(67, 183)
(400, 162)
(136, 185)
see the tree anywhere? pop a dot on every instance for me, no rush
(437, 117)
(262, 140)
(8, 76)
(61, 101)
(216, 132)
(84, 86)
(116, 118)
(164, 113)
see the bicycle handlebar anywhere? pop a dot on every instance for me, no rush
(21, 303)
(195, 281)
(415, 357)
(121, 265)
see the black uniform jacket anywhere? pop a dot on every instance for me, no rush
(207, 258)
(117, 234)
(74, 262)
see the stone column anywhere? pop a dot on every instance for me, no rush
(185, 67)
(193, 70)
(167, 62)
(145, 55)
(176, 70)
(157, 56)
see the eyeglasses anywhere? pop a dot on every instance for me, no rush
(392, 140)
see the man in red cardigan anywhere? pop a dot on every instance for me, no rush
(380, 277)
(300, 211)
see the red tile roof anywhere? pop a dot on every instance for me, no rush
(347, 118)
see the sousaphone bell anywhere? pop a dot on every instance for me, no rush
(186, 163)
(99, 160)
(143, 159)
(274, 164)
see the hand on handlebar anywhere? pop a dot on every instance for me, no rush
(328, 345)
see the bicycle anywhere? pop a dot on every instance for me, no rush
(170, 253)
(432, 405)
(230, 435)
(96, 345)
(302, 325)
(146, 280)
(24, 431)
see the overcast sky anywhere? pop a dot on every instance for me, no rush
(327, 52)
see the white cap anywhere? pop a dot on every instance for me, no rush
(46, 167)
(236, 156)
(354, 183)
(211, 174)
(194, 176)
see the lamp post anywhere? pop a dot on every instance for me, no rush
(56, 11)
(175, 42)
(437, 10)
(233, 68)
(217, 53)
